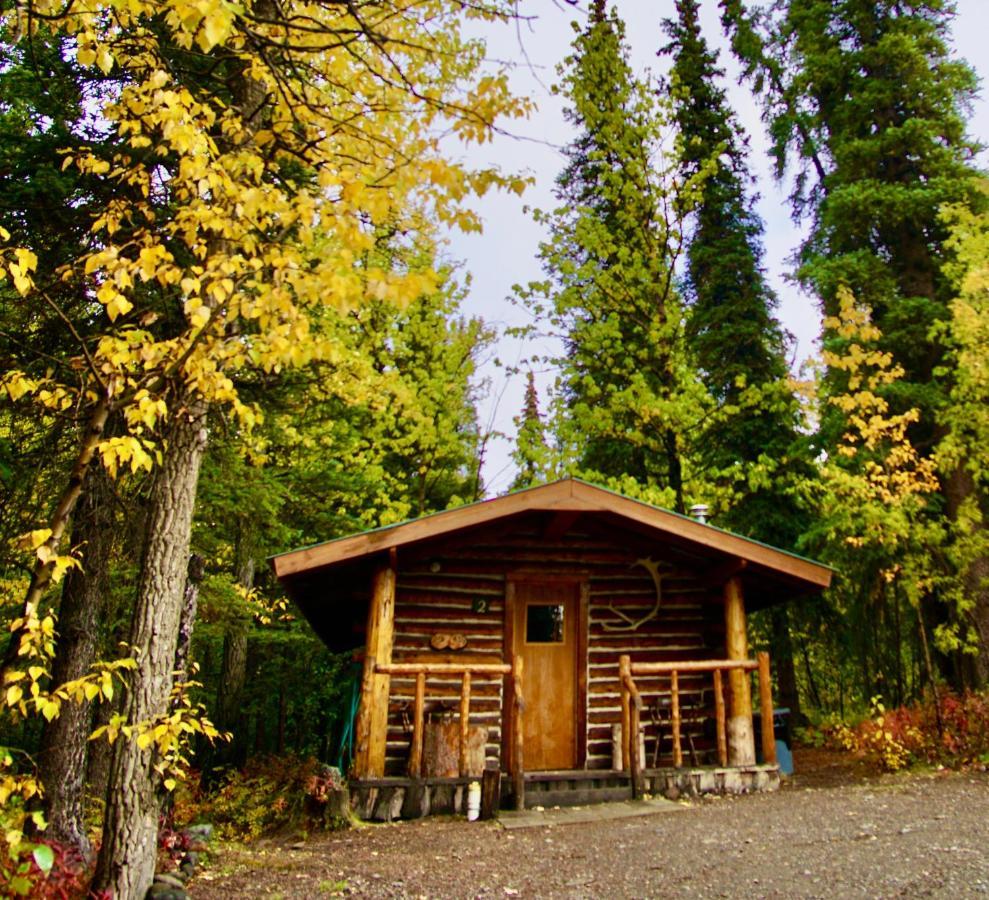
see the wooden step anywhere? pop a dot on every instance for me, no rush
(582, 796)
(574, 775)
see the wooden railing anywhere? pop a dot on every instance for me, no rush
(632, 706)
(466, 671)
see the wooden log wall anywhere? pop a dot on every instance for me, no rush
(689, 625)
(431, 603)
(436, 594)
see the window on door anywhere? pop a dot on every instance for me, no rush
(544, 623)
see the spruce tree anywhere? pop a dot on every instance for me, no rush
(866, 104)
(628, 396)
(736, 340)
(530, 450)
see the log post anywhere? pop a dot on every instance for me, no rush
(518, 755)
(418, 727)
(741, 743)
(675, 719)
(635, 760)
(371, 730)
(490, 793)
(766, 709)
(464, 721)
(625, 673)
(719, 718)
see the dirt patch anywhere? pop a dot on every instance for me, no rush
(819, 768)
(835, 830)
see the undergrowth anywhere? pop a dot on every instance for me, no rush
(953, 733)
(271, 795)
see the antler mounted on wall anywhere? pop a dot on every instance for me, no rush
(631, 624)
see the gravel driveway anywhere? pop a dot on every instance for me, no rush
(831, 834)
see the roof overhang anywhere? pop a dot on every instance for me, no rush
(569, 495)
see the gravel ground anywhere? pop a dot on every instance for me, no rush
(832, 833)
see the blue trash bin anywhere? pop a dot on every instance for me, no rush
(781, 732)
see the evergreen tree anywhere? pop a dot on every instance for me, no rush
(529, 454)
(866, 103)
(736, 341)
(628, 395)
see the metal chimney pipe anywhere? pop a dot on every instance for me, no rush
(699, 512)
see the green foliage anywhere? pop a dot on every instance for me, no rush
(531, 455)
(870, 519)
(869, 99)
(628, 399)
(735, 340)
(866, 106)
(961, 455)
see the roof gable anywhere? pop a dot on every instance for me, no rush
(569, 494)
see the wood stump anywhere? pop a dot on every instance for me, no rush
(441, 749)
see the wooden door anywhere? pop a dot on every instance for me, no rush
(546, 635)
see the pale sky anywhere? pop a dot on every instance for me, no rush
(505, 254)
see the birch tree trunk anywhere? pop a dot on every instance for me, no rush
(126, 863)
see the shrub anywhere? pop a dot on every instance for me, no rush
(270, 795)
(48, 870)
(897, 738)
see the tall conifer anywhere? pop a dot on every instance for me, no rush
(530, 450)
(865, 102)
(732, 331)
(610, 291)
(736, 341)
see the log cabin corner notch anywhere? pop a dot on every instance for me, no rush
(524, 634)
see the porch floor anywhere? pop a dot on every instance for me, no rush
(385, 799)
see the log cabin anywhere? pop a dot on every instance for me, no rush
(564, 641)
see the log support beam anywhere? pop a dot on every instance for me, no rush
(371, 729)
(418, 727)
(518, 752)
(741, 741)
(675, 719)
(624, 677)
(766, 710)
(719, 719)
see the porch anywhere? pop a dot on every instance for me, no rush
(727, 767)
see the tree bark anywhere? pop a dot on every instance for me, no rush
(126, 863)
(233, 673)
(960, 487)
(99, 754)
(187, 621)
(233, 676)
(41, 573)
(786, 671)
(64, 741)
